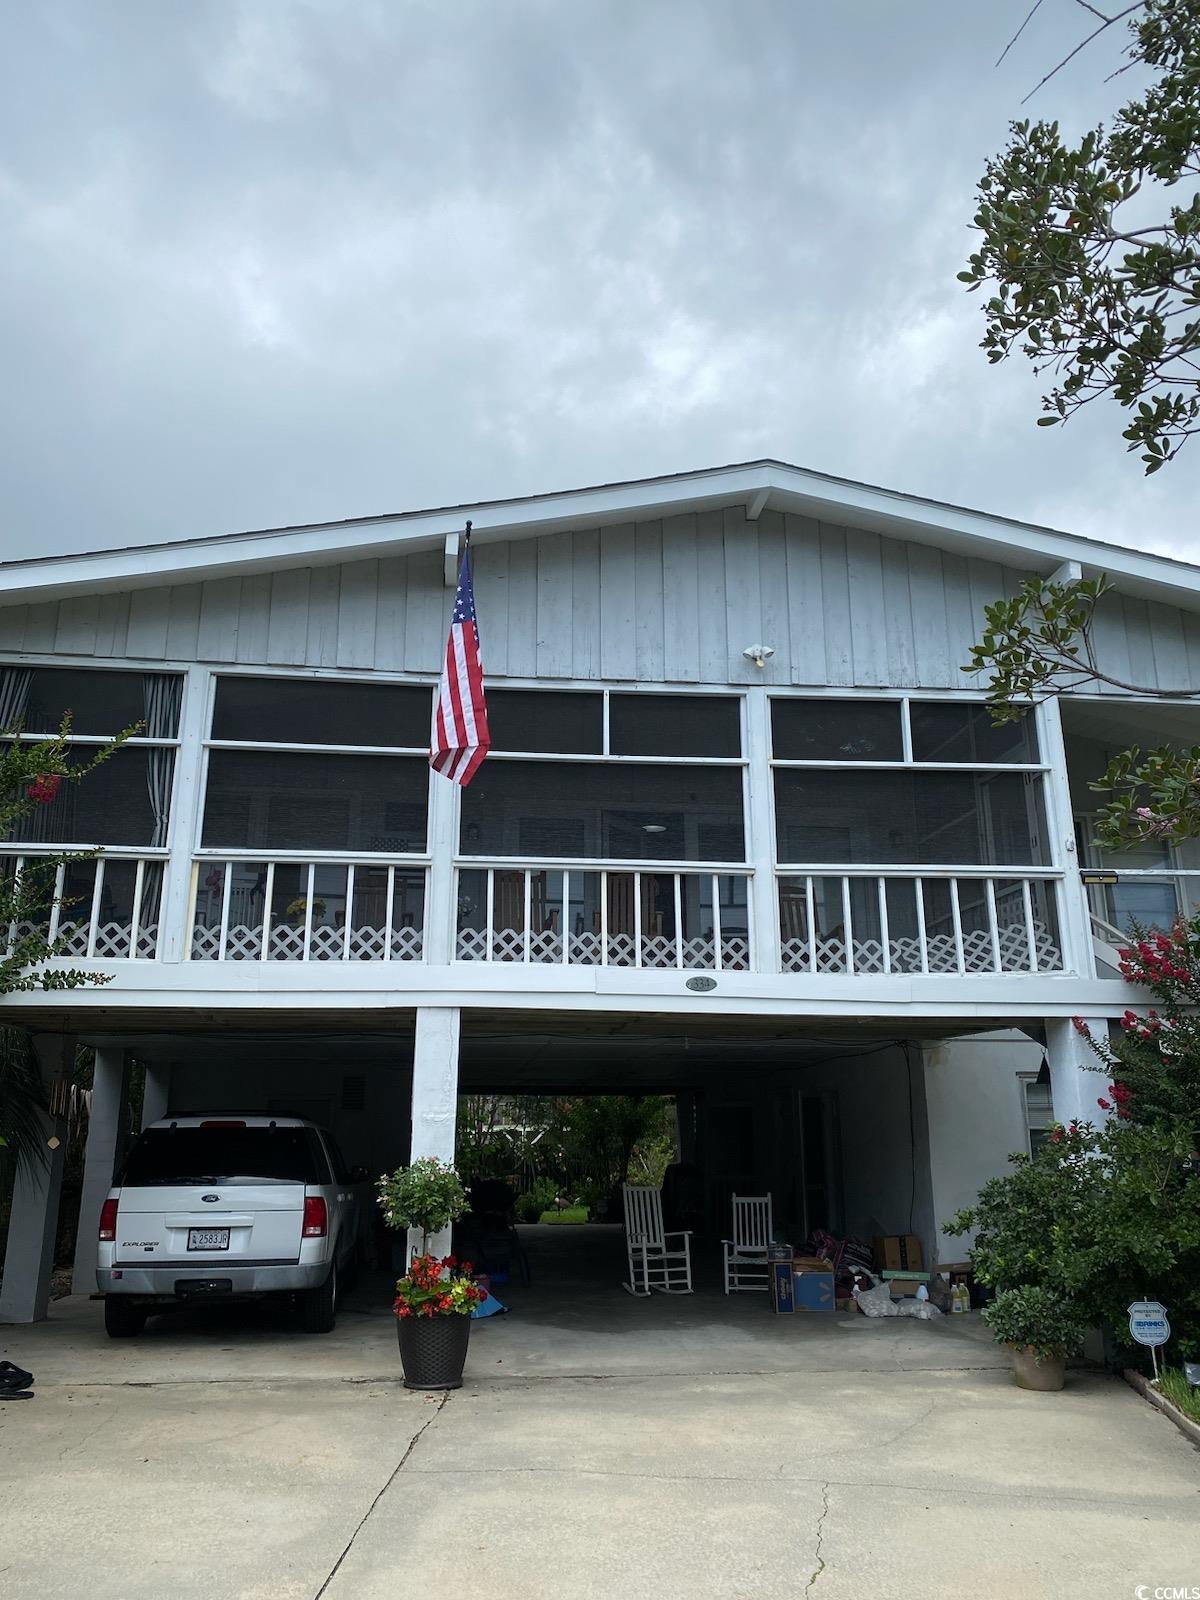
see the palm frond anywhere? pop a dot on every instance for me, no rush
(22, 1098)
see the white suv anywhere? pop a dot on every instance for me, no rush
(221, 1207)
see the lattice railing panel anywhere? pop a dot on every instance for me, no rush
(942, 953)
(112, 939)
(584, 949)
(285, 943)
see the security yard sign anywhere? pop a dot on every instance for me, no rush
(1149, 1326)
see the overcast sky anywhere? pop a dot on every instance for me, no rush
(277, 261)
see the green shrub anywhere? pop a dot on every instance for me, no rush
(1038, 1318)
(538, 1198)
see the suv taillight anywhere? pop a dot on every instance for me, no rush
(315, 1217)
(108, 1222)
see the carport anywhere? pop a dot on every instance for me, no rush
(827, 1115)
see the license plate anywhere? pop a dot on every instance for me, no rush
(208, 1238)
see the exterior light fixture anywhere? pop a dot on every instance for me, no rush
(653, 827)
(760, 654)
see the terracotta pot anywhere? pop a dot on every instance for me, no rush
(433, 1350)
(1045, 1376)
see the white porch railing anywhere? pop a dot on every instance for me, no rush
(959, 922)
(613, 915)
(101, 906)
(246, 908)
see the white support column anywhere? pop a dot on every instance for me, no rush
(99, 1161)
(33, 1223)
(764, 894)
(157, 1093)
(184, 827)
(435, 1096)
(441, 908)
(1076, 930)
(1075, 1084)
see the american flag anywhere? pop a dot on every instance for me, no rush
(460, 737)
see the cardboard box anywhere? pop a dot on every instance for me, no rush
(901, 1286)
(783, 1293)
(897, 1251)
(814, 1291)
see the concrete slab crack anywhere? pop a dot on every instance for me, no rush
(817, 1556)
(392, 1476)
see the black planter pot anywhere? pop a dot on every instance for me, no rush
(433, 1350)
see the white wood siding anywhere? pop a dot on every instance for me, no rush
(672, 600)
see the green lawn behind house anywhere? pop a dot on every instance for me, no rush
(568, 1214)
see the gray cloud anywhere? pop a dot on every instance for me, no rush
(267, 262)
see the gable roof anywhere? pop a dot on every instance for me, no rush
(758, 484)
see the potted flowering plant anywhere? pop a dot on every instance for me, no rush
(434, 1298)
(433, 1306)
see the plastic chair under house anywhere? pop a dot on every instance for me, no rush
(658, 1261)
(746, 1254)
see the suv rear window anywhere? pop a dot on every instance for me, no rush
(223, 1154)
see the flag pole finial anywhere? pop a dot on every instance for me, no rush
(467, 538)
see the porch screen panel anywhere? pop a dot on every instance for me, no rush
(904, 816)
(546, 720)
(944, 730)
(674, 725)
(298, 801)
(836, 730)
(112, 805)
(617, 811)
(320, 711)
(99, 702)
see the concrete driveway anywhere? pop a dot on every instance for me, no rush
(601, 1447)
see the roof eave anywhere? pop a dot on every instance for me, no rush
(758, 484)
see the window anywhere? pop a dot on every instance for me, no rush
(225, 1153)
(121, 802)
(277, 800)
(674, 725)
(99, 702)
(920, 818)
(126, 800)
(318, 711)
(1038, 1103)
(318, 799)
(945, 730)
(836, 730)
(601, 810)
(541, 719)
(678, 799)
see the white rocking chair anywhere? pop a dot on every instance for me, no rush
(657, 1260)
(746, 1253)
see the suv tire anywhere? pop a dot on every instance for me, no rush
(122, 1318)
(318, 1307)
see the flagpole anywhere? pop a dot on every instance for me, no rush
(467, 537)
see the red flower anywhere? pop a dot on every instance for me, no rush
(45, 788)
(1105, 1105)
(1080, 1026)
(1057, 1136)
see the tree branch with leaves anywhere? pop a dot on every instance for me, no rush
(1039, 644)
(33, 774)
(1099, 298)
